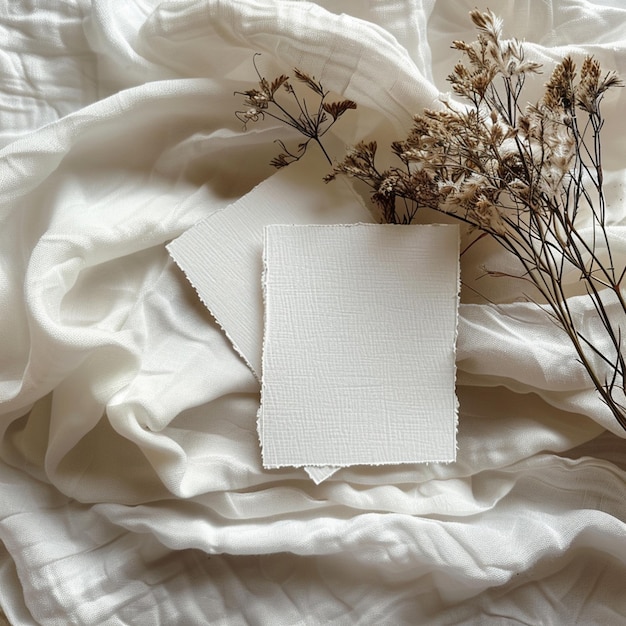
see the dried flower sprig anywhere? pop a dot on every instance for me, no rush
(531, 177)
(293, 110)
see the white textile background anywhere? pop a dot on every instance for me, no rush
(131, 483)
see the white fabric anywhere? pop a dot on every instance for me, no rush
(132, 485)
(359, 344)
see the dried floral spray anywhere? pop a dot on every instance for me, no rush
(529, 176)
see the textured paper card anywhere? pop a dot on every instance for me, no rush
(359, 350)
(222, 255)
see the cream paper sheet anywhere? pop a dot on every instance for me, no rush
(359, 344)
(222, 256)
(132, 484)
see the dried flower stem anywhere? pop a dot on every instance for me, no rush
(293, 110)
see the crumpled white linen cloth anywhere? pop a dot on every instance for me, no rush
(131, 478)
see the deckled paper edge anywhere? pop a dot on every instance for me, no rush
(259, 414)
(315, 466)
(210, 310)
(457, 405)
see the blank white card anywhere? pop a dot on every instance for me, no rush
(359, 344)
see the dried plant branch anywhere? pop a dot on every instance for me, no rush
(280, 100)
(531, 177)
